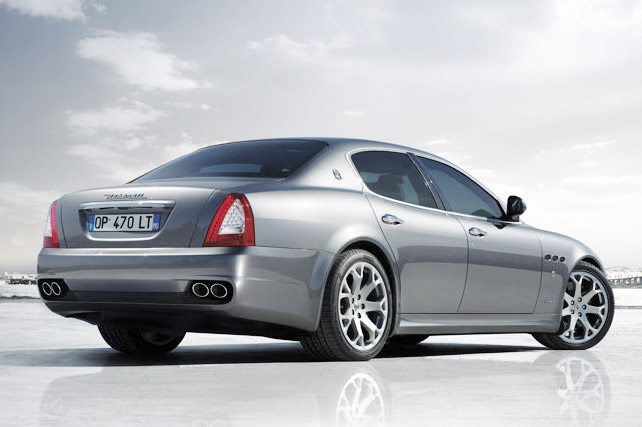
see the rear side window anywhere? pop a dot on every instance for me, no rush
(263, 159)
(393, 175)
(459, 192)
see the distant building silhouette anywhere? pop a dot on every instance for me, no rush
(19, 278)
(627, 282)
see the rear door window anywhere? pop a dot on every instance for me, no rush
(393, 175)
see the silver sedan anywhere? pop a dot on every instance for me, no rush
(346, 245)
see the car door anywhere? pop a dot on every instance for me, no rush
(430, 246)
(504, 258)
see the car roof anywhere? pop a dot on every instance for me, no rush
(349, 144)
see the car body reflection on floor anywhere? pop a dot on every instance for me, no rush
(473, 388)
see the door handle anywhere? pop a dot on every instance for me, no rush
(391, 219)
(474, 231)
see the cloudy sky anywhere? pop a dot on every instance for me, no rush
(535, 98)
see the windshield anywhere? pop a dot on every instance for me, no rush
(262, 159)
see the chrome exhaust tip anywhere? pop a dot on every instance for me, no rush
(46, 289)
(56, 289)
(200, 290)
(218, 290)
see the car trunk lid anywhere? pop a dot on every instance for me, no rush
(173, 205)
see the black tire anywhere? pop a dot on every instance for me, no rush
(407, 339)
(138, 341)
(555, 342)
(328, 341)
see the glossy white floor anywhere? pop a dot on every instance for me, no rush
(58, 372)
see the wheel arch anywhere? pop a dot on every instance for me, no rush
(593, 261)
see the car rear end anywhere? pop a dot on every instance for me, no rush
(180, 250)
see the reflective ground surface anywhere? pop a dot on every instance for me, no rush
(58, 372)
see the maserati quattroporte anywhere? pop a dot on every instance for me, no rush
(346, 245)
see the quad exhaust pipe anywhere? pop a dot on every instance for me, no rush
(52, 288)
(46, 289)
(215, 290)
(218, 291)
(200, 290)
(56, 289)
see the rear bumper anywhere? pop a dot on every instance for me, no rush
(272, 287)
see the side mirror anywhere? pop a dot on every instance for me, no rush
(515, 208)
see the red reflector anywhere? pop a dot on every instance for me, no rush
(233, 223)
(51, 231)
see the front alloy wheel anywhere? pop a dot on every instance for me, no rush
(357, 310)
(586, 307)
(587, 311)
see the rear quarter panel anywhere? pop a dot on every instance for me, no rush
(312, 218)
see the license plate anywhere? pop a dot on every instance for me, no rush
(131, 222)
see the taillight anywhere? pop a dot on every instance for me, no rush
(233, 223)
(51, 231)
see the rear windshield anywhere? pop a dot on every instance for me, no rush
(264, 159)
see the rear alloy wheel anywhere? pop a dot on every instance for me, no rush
(140, 341)
(587, 311)
(357, 310)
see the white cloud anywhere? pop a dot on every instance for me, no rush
(23, 210)
(69, 10)
(66, 10)
(139, 59)
(439, 142)
(589, 148)
(121, 117)
(120, 158)
(188, 105)
(186, 145)
(95, 152)
(351, 114)
(589, 164)
(282, 44)
(584, 148)
(610, 185)
(310, 51)
(99, 7)
(23, 204)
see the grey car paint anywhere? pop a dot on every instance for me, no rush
(444, 280)
(431, 252)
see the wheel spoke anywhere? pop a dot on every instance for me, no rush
(345, 317)
(591, 309)
(361, 282)
(357, 279)
(368, 288)
(572, 325)
(590, 294)
(586, 312)
(578, 285)
(588, 329)
(360, 338)
(345, 291)
(371, 327)
(376, 306)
